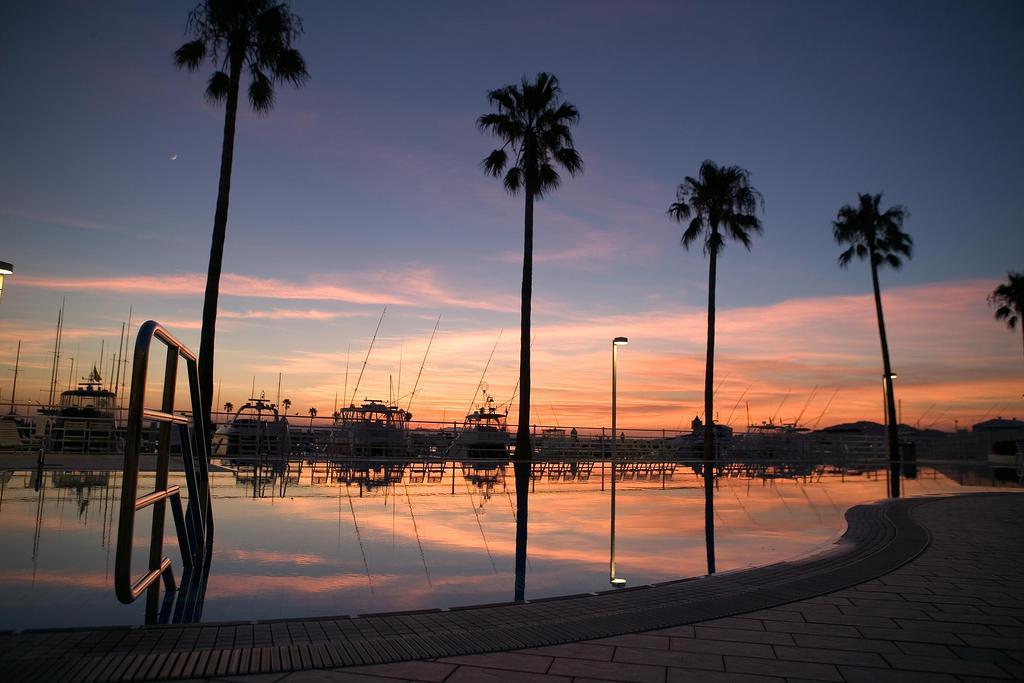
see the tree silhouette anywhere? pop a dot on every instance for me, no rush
(720, 204)
(877, 236)
(287, 403)
(312, 414)
(1008, 300)
(534, 124)
(237, 35)
(229, 407)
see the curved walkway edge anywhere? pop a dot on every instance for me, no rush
(879, 538)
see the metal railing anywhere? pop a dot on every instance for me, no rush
(194, 525)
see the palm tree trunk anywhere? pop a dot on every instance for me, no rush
(220, 223)
(892, 428)
(524, 446)
(709, 423)
(522, 474)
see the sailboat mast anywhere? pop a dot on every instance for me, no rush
(368, 351)
(419, 374)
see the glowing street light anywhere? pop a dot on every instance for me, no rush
(5, 269)
(616, 343)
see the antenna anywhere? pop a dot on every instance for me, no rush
(728, 420)
(796, 422)
(825, 409)
(788, 392)
(484, 373)
(416, 384)
(367, 359)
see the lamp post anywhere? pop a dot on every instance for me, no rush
(616, 343)
(5, 269)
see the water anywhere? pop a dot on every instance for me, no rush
(322, 541)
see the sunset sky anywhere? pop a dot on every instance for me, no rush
(364, 189)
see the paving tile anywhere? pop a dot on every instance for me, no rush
(695, 676)
(636, 640)
(925, 650)
(472, 674)
(787, 669)
(814, 629)
(335, 676)
(823, 656)
(601, 653)
(615, 671)
(678, 658)
(511, 661)
(722, 647)
(952, 666)
(857, 644)
(735, 635)
(853, 674)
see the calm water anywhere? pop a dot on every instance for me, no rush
(320, 541)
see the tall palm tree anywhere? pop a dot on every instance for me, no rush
(719, 204)
(237, 35)
(287, 404)
(312, 414)
(1008, 300)
(229, 407)
(877, 236)
(534, 124)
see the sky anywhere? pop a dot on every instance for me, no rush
(363, 189)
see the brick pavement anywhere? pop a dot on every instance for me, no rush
(956, 612)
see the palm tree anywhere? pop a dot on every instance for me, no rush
(287, 403)
(312, 414)
(878, 236)
(534, 124)
(229, 407)
(237, 35)
(720, 204)
(1008, 300)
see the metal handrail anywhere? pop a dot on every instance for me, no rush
(194, 525)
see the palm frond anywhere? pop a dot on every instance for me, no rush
(236, 34)
(218, 86)
(261, 92)
(495, 162)
(190, 55)
(535, 124)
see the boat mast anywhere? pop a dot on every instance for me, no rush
(796, 422)
(14, 388)
(419, 374)
(484, 373)
(737, 405)
(56, 353)
(367, 359)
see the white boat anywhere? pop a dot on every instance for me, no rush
(484, 432)
(373, 429)
(255, 431)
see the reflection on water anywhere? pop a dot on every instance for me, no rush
(316, 538)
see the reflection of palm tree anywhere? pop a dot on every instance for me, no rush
(1008, 300)
(877, 236)
(253, 34)
(287, 403)
(720, 204)
(312, 414)
(534, 122)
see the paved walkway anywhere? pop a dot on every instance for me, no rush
(955, 610)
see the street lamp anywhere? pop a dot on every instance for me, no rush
(616, 343)
(5, 269)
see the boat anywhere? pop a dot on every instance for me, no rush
(484, 432)
(84, 420)
(373, 429)
(255, 431)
